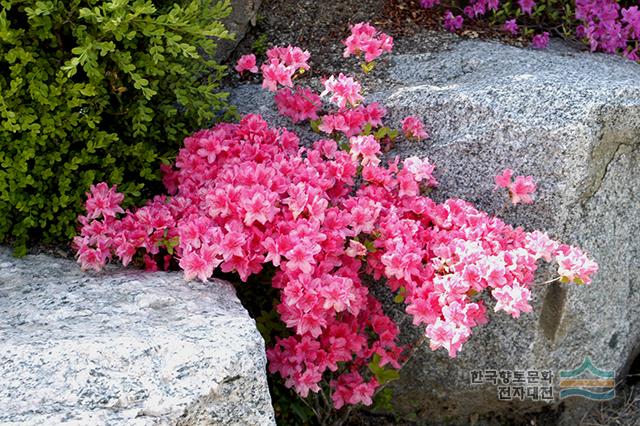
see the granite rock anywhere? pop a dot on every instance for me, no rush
(243, 16)
(125, 347)
(572, 120)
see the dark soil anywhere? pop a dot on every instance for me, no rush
(319, 26)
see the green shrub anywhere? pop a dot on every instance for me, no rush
(94, 91)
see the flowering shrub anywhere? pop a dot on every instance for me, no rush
(611, 26)
(245, 195)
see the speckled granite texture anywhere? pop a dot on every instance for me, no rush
(125, 348)
(243, 15)
(572, 120)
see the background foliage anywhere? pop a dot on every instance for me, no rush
(95, 91)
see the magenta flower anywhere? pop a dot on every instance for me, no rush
(427, 4)
(540, 41)
(511, 27)
(527, 6)
(452, 22)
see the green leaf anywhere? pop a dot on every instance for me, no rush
(383, 375)
(367, 67)
(315, 125)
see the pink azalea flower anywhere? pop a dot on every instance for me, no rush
(520, 189)
(512, 299)
(413, 128)
(356, 249)
(245, 194)
(421, 169)
(447, 335)
(365, 38)
(247, 63)
(103, 201)
(301, 257)
(366, 147)
(574, 265)
(290, 56)
(343, 91)
(299, 104)
(276, 73)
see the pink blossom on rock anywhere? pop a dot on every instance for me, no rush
(503, 180)
(520, 189)
(342, 91)
(512, 299)
(413, 128)
(422, 170)
(447, 335)
(541, 245)
(244, 195)
(247, 63)
(574, 265)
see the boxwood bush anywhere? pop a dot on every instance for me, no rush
(94, 91)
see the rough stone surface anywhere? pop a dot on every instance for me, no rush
(243, 15)
(572, 120)
(125, 348)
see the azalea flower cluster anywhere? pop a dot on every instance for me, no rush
(329, 217)
(475, 9)
(367, 39)
(611, 26)
(242, 195)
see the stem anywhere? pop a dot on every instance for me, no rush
(504, 208)
(549, 281)
(412, 352)
(304, 400)
(340, 420)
